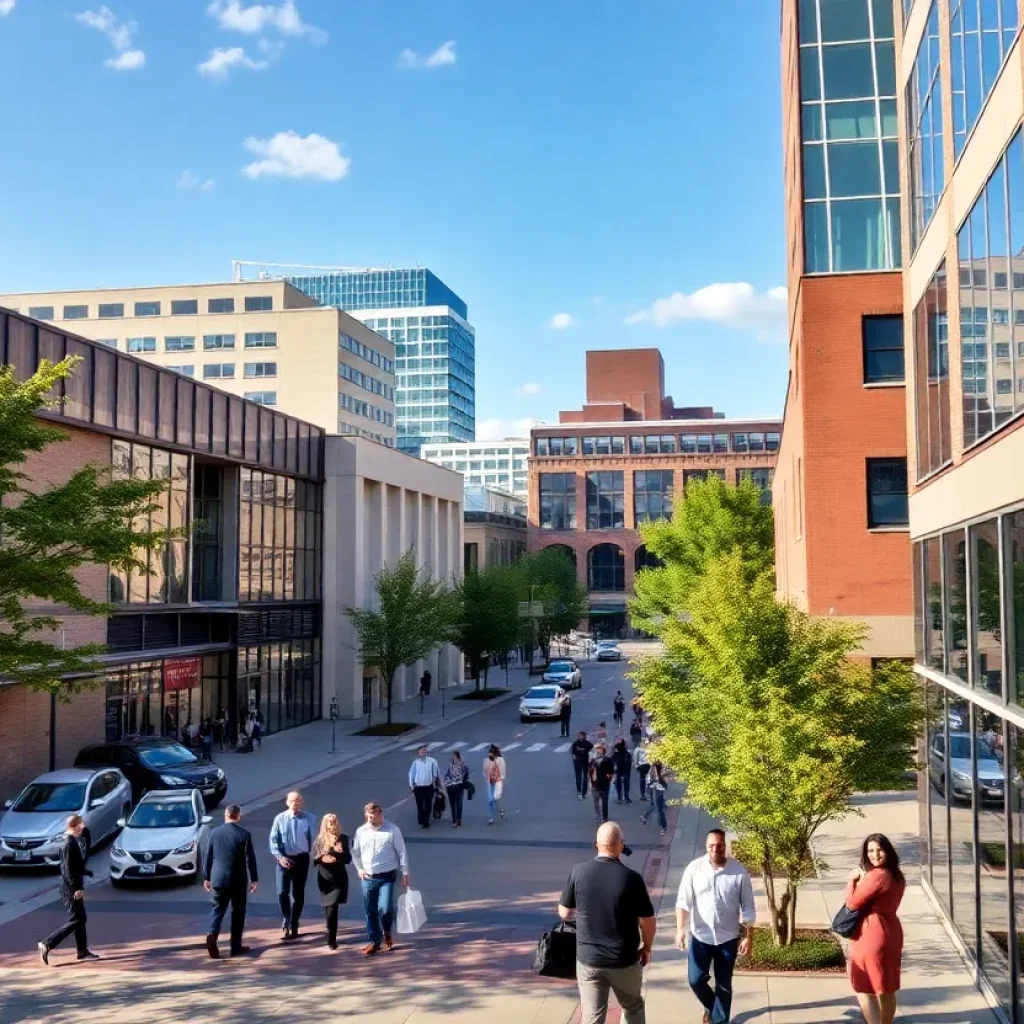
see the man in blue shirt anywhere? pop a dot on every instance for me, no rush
(291, 841)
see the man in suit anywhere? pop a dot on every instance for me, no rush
(72, 892)
(229, 872)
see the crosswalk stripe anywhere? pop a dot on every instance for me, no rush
(511, 746)
(412, 746)
(535, 747)
(455, 746)
(437, 743)
(479, 746)
(563, 748)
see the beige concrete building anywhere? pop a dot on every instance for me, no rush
(494, 525)
(379, 503)
(262, 340)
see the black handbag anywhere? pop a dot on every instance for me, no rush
(470, 790)
(846, 922)
(556, 952)
(439, 803)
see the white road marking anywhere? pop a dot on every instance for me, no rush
(455, 746)
(511, 746)
(533, 748)
(563, 748)
(393, 806)
(479, 746)
(437, 743)
(414, 746)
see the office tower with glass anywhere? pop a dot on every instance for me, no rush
(435, 345)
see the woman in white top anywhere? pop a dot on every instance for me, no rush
(494, 774)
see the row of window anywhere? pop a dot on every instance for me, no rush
(659, 444)
(179, 307)
(366, 382)
(372, 412)
(211, 342)
(371, 355)
(226, 371)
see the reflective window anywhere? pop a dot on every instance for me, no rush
(883, 349)
(110, 310)
(218, 341)
(721, 443)
(760, 477)
(961, 753)
(41, 312)
(557, 501)
(987, 643)
(937, 743)
(220, 306)
(142, 344)
(262, 397)
(931, 374)
(76, 312)
(772, 441)
(1015, 780)
(261, 339)
(740, 443)
(606, 568)
(179, 343)
(147, 308)
(258, 303)
(186, 369)
(184, 307)
(924, 113)
(652, 494)
(887, 493)
(605, 500)
(701, 474)
(954, 581)
(1013, 539)
(218, 371)
(261, 369)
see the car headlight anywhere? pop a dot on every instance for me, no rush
(117, 851)
(220, 773)
(173, 780)
(187, 848)
(961, 776)
(59, 834)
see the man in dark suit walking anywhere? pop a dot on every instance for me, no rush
(229, 872)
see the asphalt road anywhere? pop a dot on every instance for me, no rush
(489, 890)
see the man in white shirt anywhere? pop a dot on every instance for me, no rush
(424, 779)
(378, 853)
(714, 907)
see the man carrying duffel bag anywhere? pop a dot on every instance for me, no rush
(556, 952)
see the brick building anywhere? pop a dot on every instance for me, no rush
(840, 493)
(624, 458)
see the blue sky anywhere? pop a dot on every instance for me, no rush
(578, 157)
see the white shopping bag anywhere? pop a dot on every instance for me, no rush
(411, 915)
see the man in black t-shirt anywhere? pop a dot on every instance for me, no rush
(615, 927)
(580, 751)
(602, 771)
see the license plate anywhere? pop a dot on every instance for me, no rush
(147, 869)
(22, 854)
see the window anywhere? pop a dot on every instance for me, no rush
(220, 306)
(558, 501)
(924, 114)
(701, 474)
(111, 310)
(688, 444)
(147, 308)
(887, 493)
(739, 443)
(931, 371)
(606, 568)
(652, 494)
(954, 584)
(142, 344)
(555, 445)
(41, 312)
(883, 349)
(756, 442)
(214, 371)
(179, 343)
(771, 442)
(261, 369)
(605, 500)
(185, 371)
(720, 444)
(262, 397)
(218, 341)
(761, 477)
(184, 307)
(258, 303)
(261, 339)
(652, 444)
(618, 446)
(109, 342)
(76, 312)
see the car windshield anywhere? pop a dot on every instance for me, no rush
(960, 747)
(161, 757)
(173, 814)
(541, 693)
(560, 666)
(51, 796)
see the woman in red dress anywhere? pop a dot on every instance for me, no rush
(875, 889)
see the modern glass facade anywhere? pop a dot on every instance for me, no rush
(849, 132)
(378, 289)
(500, 464)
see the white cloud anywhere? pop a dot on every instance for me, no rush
(443, 56)
(497, 429)
(562, 321)
(529, 388)
(6, 6)
(284, 18)
(189, 179)
(223, 59)
(120, 34)
(736, 304)
(290, 155)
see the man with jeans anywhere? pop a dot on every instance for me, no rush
(378, 853)
(615, 927)
(714, 906)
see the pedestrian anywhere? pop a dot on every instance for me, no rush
(657, 787)
(602, 771)
(714, 908)
(378, 853)
(615, 927)
(220, 730)
(494, 776)
(636, 733)
(602, 734)
(638, 711)
(257, 729)
(564, 715)
(424, 778)
(623, 771)
(73, 873)
(229, 872)
(331, 854)
(643, 765)
(580, 754)
(244, 745)
(425, 683)
(206, 738)
(619, 708)
(876, 889)
(291, 842)
(456, 775)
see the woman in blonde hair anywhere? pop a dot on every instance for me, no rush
(331, 854)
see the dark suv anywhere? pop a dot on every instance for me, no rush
(158, 764)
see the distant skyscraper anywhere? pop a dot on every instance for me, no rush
(435, 345)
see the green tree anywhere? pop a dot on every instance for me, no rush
(549, 576)
(415, 615)
(768, 722)
(715, 519)
(487, 615)
(48, 534)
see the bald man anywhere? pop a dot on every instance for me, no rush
(291, 841)
(615, 927)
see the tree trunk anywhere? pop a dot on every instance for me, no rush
(389, 683)
(791, 894)
(778, 910)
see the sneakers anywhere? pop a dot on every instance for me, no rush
(490, 821)
(44, 953)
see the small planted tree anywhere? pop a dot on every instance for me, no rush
(414, 616)
(550, 577)
(48, 533)
(486, 624)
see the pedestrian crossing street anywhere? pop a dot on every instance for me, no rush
(439, 746)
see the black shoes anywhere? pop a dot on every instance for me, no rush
(211, 947)
(44, 953)
(241, 951)
(88, 955)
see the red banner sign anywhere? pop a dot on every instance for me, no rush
(182, 673)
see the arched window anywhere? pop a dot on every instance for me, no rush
(644, 559)
(606, 568)
(563, 549)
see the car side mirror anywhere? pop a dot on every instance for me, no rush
(121, 822)
(940, 755)
(206, 819)
(98, 802)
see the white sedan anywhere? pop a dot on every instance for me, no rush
(164, 838)
(542, 702)
(609, 650)
(564, 672)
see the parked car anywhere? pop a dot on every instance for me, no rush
(564, 672)
(155, 763)
(32, 829)
(609, 650)
(542, 702)
(165, 837)
(991, 779)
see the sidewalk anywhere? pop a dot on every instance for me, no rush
(936, 985)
